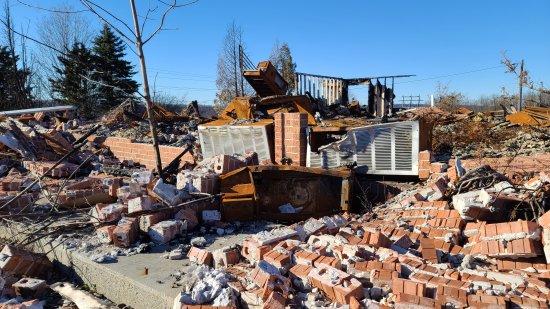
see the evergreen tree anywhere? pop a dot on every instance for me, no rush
(74, 85)
(13, 92)
(113, 73)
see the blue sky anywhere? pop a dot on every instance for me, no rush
(432, 39)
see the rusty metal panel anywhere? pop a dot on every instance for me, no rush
(266, 80)
(384, 149)
(317, 192)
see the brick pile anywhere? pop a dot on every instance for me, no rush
(417, 251)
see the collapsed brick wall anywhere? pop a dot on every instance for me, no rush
(126, 149)
(515, 168)
(290, 137)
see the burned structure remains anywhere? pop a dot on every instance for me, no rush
(292, 198)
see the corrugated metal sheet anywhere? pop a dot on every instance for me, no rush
(229, 140)
(385, 149)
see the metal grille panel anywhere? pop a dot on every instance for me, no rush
(386, 149)
(229, 140)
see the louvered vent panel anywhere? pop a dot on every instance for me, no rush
(386, 149)
(230, 140)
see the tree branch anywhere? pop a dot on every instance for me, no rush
(51, 10)
(110, 86)
(170, 7)
(147, 17)
(91, 9)
(30, 38)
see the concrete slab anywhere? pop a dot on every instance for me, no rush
(125, 281)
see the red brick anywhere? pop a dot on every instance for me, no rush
(544, 220)
(252, 251)
(408, 287)
(423, 173)
(275, 301)
(200, 256)
(278, 259)
(425, 155)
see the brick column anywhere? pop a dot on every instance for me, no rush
(424, 164)
(290, 137)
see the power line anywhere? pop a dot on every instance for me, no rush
(189, 79)
(180, 73)
(449, 75)
(186, 88)
(443, 76)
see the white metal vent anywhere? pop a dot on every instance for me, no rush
(387, 149)
(229, 140)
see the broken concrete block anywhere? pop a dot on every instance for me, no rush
(275, 235)
(310, 227)
(142, 177)
(110, 212)
(198, 181)
(139, 204)
(472, 205)
(169, 193)
(30, 287)
(165, 231)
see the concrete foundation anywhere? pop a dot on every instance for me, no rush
(124, 281)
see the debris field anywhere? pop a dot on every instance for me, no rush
(468, 228)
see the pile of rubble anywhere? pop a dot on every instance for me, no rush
(472, 234)
(465, 134)
(431, 247)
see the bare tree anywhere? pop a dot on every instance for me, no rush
(135, 36)
(523, 77)
(61, 29)
(275, 56)
(228, 81)
(20, 75)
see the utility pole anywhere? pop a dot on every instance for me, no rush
(520, 85)
(235, 67)
(146, 94)
(540, 93)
